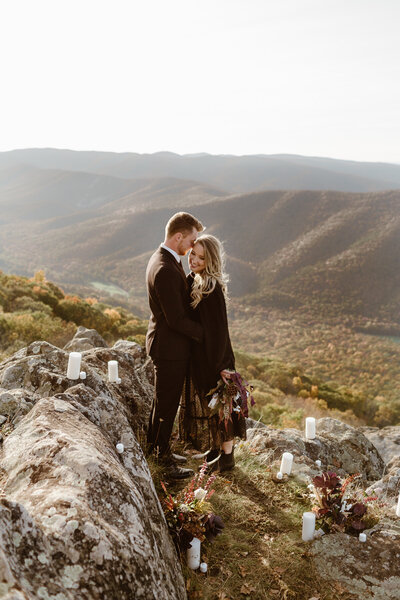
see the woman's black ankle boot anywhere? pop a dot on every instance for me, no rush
(227, 461)
(212, 455)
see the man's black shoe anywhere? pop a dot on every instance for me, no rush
(173, 471)
(178, 458)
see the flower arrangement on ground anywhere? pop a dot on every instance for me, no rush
(338, 507)
(230, 397)
(189, 513)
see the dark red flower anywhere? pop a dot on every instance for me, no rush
(327, 480)
(213, 526)
(359, 509)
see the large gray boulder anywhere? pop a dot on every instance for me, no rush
(85, 339)
(339, 447)
(15, 403)
(143, 363)
(388, 487)
(132, 348)
(78, 520)
(252, 424)
(386, 440)
(40, 371)
(366, 570)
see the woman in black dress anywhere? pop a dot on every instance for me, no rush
(212, 360)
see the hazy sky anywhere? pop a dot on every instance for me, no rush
(312, 77)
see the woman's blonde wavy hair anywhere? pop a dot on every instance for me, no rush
(214, 263)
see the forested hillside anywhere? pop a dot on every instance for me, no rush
(337, 253)
(36, 309)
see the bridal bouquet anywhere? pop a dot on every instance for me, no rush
(227, 398)
(189, 515)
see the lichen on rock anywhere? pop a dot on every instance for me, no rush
(340, 447)
(78, 521)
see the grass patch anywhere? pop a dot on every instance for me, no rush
(260, 554)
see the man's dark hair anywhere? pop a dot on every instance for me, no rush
(182, 223)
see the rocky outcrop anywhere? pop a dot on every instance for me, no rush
(252, 424)
(78, 520)
(143, 363)
(366, 570)
(85, 339)
(339, 447)
(388, 487)
(386, 440)
(39, 371)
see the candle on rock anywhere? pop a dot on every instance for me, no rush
(362, 537)
(203, 567)
(74, 365)
(279, 475)
(398, 507)
(112, 371)
(286, 463)
(308, 526)
(318, 463)
(193, 554)
(310, 428)
(82, 375)
(120, 448)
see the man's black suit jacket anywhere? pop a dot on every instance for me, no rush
(170, 327)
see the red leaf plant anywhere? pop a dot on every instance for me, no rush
(336, 508)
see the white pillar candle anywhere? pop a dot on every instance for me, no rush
(120, 448)
(112, 371)
(286, 463)
(362, 537)
(310, 428)
(318, 463)
(82, 375)
(74, 365)
(203, 567)
(118, 380)
(398, 507)
(308, 526)
(279, 475)
(193, 554)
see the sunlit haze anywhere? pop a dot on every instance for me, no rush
(311, 77)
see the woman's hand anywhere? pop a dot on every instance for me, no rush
(225, 375)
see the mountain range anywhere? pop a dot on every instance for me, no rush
(233, 174)
(96, 217)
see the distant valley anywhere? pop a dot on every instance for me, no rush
(330, 252)
(313, 249)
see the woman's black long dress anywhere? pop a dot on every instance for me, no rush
(208, 359)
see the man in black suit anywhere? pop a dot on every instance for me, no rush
(170, 333)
